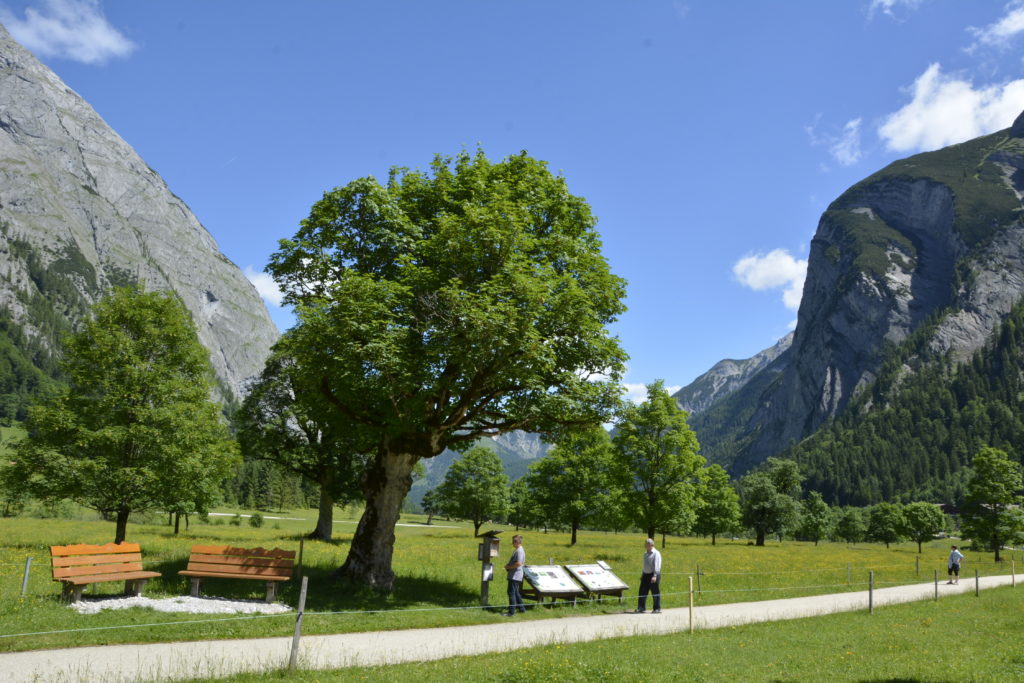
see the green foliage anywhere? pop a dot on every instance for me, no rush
(475, 488)
(655, 463)
(923, 522)
(850, 525)
(135, 430)
(570, 484)
(816, 518)
(767, 502)
(718, 504)
(886, 523)
(991, 513)
(255, 520)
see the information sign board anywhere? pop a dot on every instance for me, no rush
(550, 579)
(596, 578)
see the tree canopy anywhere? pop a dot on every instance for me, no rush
(445, 306)
(769, 499)
(135, 429)
(474, 488)
(991, 513)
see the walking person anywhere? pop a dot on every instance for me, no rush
(955, 557)
(515, 577)
(650, 579)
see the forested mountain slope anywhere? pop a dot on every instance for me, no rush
(927, 251)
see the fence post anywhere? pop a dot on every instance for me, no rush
(691, 604)
(293, 659)
(24, 581)
(917, 562)
(698, 581)
(977, 584)
(847, 573)
(302, 542)
(871, 592)
(1013, 573)
(936, 584)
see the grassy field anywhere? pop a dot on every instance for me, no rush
(960, 638)
(438, 577)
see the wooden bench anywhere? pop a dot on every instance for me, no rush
(77, 566)
(227, 562)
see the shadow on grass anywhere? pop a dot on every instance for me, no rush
(327, 592)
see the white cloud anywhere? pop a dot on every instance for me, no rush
(73, 29)
(637, 393)
(888, 7)
(946, 110)
(1000, 33)
(265, 285)
(774, 270)
(844, 146)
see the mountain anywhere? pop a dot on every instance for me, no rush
(81, 212)
(923, 260)
(726, 377)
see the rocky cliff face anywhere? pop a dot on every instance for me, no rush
(725, 378)
(936, 237)
(80, 212)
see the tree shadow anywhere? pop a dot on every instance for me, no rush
(328, 592)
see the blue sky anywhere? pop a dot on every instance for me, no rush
(708, 136)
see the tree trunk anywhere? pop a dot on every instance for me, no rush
(651, 532)
(575, 526)
(476, 527)
(662, 540)
(325, 519)
(760, 537)
(430, 518)
(713, 539)
(177, 522)
(385, 485)
(121, 530)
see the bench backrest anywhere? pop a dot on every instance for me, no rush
(250, 561)
(94, 560)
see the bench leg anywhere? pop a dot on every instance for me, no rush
(134, 587)
(76, 593)
(271, 591)
(197, 584)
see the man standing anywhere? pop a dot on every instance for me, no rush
(955, 556)
(515, 577)
(650, 579)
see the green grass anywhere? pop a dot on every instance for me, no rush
(960, 638)
(438, 577)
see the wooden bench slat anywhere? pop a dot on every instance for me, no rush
(235, 561)
(243, 552)
(240, 570)
(97, 570)
(75, 560)
(227, 575)
(124, 576)
(86, 549)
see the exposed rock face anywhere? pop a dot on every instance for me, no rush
(936, 237)
(79, 207)
(726, 377)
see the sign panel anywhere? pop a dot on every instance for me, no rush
(596, 577)
(550, 578)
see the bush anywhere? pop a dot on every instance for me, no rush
(256, 521)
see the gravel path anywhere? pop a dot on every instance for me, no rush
(175, 661)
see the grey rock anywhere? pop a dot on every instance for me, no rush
(93, 213)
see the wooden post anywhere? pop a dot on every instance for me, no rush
(293, 659)
(691, 604)
(847, 573)
(24, 581)
(871, 592)
(917, 561)
(936, 584)
(1013, 573)
(302, 542)
(698, 581)
(977, 584)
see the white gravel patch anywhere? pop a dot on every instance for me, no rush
(182, 603)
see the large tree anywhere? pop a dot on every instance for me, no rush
(279, 421)
(445, 306)
(991, 513)
(655, 461)
(570, 484)
(816, 518)
(475, 487)
(135, 429)
(886, 523)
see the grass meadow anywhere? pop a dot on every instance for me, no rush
(439, 585)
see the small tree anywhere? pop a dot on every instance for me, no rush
(475, 487)
(656, 461)
(923, 522)
(816, 519)
(718, 504)
(850, 525)
(135, 430)
(570, 483)
(768, 499)
(991, 513)
(885, 523)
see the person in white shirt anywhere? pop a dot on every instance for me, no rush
(650, 579)
(955, 557)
